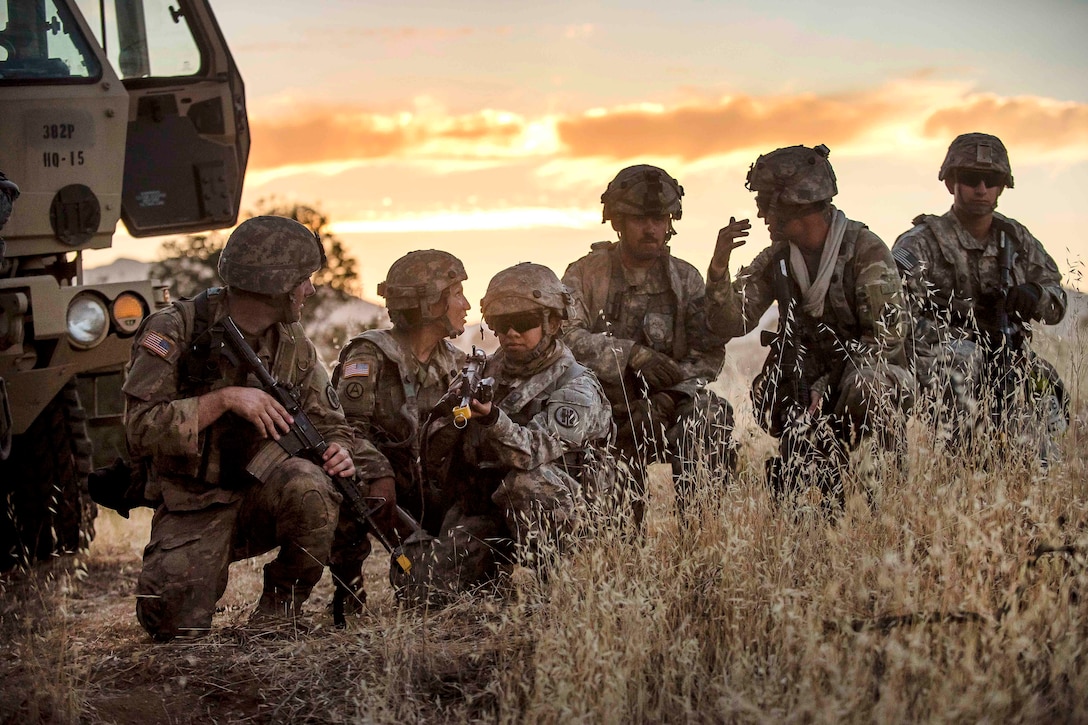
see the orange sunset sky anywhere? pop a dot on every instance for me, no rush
(491, 129)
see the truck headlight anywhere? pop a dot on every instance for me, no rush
(88, 321)
(127, 312)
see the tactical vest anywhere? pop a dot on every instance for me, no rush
(197, 376)
(664, 306)
(401, 400)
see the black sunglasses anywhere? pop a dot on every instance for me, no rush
(972, 178)
(519, 322)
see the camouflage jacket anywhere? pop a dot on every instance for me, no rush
(864, 320)
(612, 315)
(961, 274)
(387, 396)
(192, 469)
(541, 418)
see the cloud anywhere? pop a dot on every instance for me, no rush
(475, 219)
(578, 32)
(1036, 124)
(345, 135)
(698, 130)
(894, 118)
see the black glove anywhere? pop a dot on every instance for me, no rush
(657, 369)
(1022, 300)
(646, 418)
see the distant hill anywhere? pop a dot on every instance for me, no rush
(121, 270)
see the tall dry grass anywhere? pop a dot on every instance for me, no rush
(958, 596)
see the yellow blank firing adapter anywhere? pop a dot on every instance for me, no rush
(461, 415)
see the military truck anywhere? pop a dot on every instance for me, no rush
(118, 109)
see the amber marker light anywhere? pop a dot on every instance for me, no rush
(128, 312)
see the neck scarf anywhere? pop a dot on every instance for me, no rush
(813, 293)
(543, 357)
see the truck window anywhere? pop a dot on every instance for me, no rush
(40, 41)
(145, 38)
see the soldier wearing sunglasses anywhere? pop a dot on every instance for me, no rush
(526, 462)
(973, 305)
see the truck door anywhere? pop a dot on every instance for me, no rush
(188, 134)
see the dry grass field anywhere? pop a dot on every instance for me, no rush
(957, 596)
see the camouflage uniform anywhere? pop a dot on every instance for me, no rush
(954, 285)
(522, 478)
(387, 396)
(852, 355)
(618, 310)
(211, 511)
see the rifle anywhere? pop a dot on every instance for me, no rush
(473, 386)
(785, 387)
(304, 440)
(1009, 335)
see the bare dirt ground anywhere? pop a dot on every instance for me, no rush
(73, 650)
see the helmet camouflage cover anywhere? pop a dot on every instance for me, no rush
(642, 190)
(525, 287)
(977, 151)
(796, 175)
(418, 279)
(270, 255)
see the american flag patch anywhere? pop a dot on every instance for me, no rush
(157, 344)
(356, 370)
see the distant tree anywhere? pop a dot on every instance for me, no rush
(190, 263)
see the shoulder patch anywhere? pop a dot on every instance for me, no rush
(334, 399)
(354, 391)
(158, 344)
(356, 369)
(566, 416)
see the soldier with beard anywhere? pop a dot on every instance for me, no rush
(977, 280)
(527, 461)
(640, 323)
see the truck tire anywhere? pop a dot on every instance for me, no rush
(47, 510)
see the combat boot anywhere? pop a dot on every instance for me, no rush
(279, 611)
(349, 596)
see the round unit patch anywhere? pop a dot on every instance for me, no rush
(566, 416)
(354, 391)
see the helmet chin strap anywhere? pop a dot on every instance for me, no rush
(285, 307)
(444, 319)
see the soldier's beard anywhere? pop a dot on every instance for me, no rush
(645, 249)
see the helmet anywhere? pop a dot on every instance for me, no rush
(417, 280)
(270, 255)
(794, 175)
(525, 287)
(979, 151)
(642, 189)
